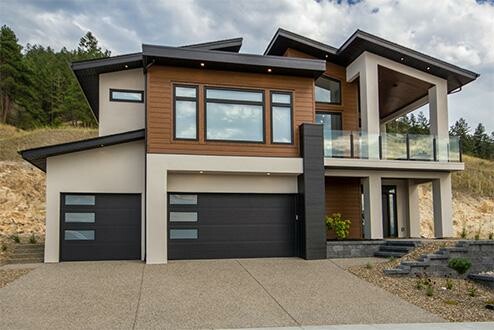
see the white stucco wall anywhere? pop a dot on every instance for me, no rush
(220, 174)
(112, 169)
(118, 117)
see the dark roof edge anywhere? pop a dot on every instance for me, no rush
(301, 39)
(98, 62)
(235, 43)
(37, 156)
(406, 51)
(228, 57)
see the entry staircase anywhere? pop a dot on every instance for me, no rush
(396, 248)
(24, 253)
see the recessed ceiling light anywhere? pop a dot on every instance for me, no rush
(201, 172)
(269, 70)
(268, 173)
(402, 59)
(428, 68)
(326, 55)
(202, 64)
(126, 66)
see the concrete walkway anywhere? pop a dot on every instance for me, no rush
(396, 326)
(247, 293)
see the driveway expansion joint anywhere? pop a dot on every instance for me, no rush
(139, 297)
(269, 294)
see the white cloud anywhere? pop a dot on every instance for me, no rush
(457, 31)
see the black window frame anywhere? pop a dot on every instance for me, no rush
(281, 105)
(262, 104)
(322, 112)
(339, 91)
(137, 91)
(185, 98)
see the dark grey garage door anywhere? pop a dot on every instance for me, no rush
(100, 227)
(204, 226)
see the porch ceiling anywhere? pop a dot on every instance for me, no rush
(397, 90)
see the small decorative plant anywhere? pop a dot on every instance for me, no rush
(429, 290)
(4, 248)
(472, 291)
(369, 265)
(464, 232)
(449, 284)
(491, 235)
(340, 226)
(461, 265)
(15, 238)
(32, 239)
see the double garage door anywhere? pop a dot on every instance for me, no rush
(200, 226)
(204, 226)
(100, 227)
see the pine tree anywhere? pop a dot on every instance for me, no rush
(461, 129)
(89, 49)
(480, 141)
(12, 72)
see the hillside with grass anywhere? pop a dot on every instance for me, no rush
(22, 186)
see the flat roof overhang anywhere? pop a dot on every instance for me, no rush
(362, 41)
(38, 156)
(218, 60)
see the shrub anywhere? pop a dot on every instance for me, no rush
(491, 235)
(429, 291)
(15, 238)
(464, 232)
(461, 265)
(477, 237)
(4, 247)
(451, 302)
(472, 291)
(419, 285)
(449, 284)
(340, 226)
(369, 265)
(33, 239)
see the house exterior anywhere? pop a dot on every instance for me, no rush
(205, 152)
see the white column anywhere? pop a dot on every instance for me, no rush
(373, 228)
(443, 206)
(438, 112)
(413, 210)
(156, 212)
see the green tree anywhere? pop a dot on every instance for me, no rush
(89, 48)
(13, 74)
(480, 141)
(461, 129)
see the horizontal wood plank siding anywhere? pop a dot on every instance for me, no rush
(160, 80)
(343, 195)
(349, 93)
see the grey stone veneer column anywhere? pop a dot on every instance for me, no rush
(312, 193)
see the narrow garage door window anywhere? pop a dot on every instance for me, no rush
(100, 227)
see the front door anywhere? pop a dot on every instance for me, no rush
(390, 221)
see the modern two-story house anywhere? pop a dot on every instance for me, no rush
(206, 152)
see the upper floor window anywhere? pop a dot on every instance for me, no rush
(126, 95)
(185, 112)
(328, 90)
(281, 117)
(234, 115)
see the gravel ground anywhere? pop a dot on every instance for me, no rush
(455, 305)
(10, 275)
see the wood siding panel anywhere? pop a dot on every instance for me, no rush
(349, 93)
(343, 195)
(160, 80)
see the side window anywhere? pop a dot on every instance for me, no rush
(126, 95)
(328, 90)
(185, 112)
(281, 118)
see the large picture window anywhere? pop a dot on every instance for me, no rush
(185, 112)
(281, 118)
(328, 90)
(234, 115)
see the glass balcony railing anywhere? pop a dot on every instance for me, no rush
(390, 146)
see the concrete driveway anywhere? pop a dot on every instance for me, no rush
(198, 294)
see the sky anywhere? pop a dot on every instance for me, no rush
(458, 31)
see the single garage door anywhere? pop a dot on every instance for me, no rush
(206, 226)
(100, 227)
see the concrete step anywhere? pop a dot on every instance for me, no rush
(396, 248)
(25, 247)
(396, 271)
(401, 243)
(26, 261)
(388, 254)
